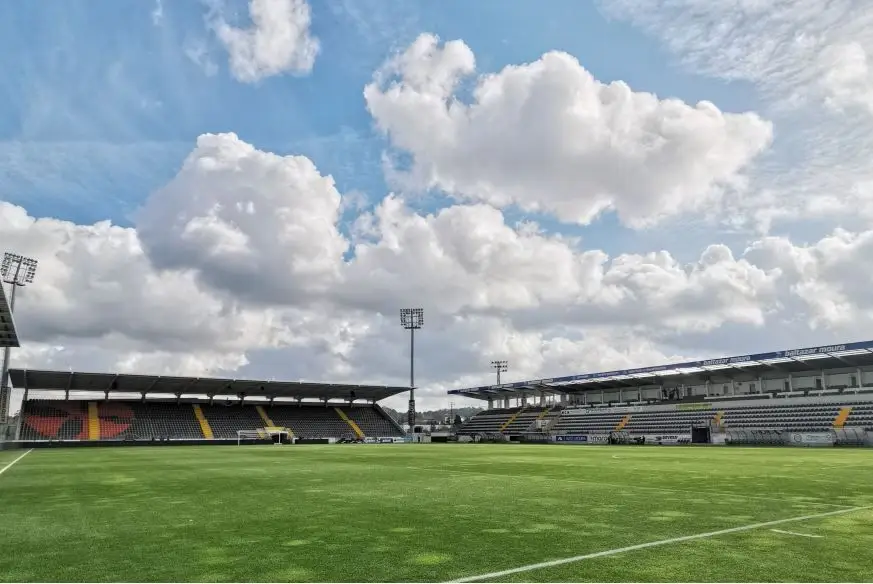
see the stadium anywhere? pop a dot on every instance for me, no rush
(747, 468)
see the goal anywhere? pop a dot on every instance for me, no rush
(278, 435)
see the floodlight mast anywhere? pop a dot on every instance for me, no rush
(15, 270)
(501, 367)
(411, 319)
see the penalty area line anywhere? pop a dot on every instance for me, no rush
(8, 466)
(651, 544)
(794, 533)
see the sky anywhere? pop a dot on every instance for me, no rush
(254, 188)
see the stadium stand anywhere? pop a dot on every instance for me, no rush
(489, 421)
(226, 420)
(114, 416)
(373, 421)
(861, 416)
(588, 421)
(813, 416)
(666, 422)
(123, 420)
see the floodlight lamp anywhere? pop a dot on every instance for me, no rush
(17, 270)
(412, 318)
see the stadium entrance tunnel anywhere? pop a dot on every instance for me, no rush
(700, 435)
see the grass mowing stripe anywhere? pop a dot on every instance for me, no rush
(8, 466)
(553, 563)
(628, 486)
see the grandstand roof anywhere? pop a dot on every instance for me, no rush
(153, 384)
(8, 334)
(825, 357)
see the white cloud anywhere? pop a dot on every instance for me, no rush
(830, 278)
(547, 136)
(249, 222)
(198, 53)
(237, 267)
(158, 13)
(278, 40)
(810, 64)
(793, 49)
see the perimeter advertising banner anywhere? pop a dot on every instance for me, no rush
(571, 438)
(811, 439)
(583, 439)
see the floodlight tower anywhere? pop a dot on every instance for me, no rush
(501, 367)
(17, 271)
(411, 319)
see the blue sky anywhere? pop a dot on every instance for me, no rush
(100, 101)
(726, 230)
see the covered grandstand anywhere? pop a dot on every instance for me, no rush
(62, 406)
(815, 390)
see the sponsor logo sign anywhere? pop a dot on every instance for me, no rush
(812, 439)
(571, 438)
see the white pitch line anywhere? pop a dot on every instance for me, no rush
(651, 544)
(795, 533)
(8, 466)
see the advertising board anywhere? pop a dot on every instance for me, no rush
(811, 439)
(583, 439)
(572, 438)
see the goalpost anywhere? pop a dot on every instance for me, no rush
(279, 436)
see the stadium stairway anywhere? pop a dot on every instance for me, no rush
(355, 428)
(267, 421)
(507, 423)
(841, 418)
(487, 421)
(204, 423)
(372, 421)
(620, 426)
(93, 421)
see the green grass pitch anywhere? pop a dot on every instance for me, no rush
(432, 513)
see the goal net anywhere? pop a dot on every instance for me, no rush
(277, 435)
